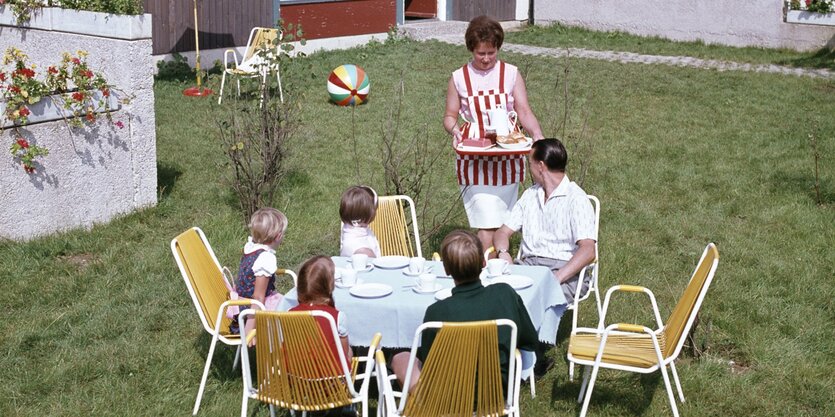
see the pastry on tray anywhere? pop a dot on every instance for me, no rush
(511, 139)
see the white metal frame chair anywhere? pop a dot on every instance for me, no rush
(391, 227)
(209, 290)
(387, 406)
(251, 65)
(301, 374)
(635, 348)
(592, 270)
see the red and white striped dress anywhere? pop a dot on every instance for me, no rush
(489, 184)
(479, 92)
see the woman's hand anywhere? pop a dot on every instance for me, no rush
(457, 137)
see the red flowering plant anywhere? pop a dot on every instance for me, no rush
(71, 85)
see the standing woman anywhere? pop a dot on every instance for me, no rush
(489, 184)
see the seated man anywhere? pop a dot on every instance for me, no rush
(463, 258)
(556, 219)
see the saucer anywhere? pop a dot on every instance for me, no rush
(484, 274)
(368, 267)
(408, 273)
(372, 290)
(437, 287)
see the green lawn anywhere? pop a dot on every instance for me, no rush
(99, 322)
(558, 36)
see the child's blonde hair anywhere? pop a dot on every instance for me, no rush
(358, 205)
(266, 225)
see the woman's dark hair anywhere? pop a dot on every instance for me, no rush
(463, 256)
(551, 152)
(316, 280)
(484, 29)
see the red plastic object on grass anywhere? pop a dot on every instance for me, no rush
(197, 92)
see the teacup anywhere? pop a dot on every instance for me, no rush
(426, 282)
(359, 261)
(496, 267)
(349, 277)
(416, 265)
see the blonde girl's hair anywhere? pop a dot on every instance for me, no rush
(266, 225)
(316, 281)
(358, 205)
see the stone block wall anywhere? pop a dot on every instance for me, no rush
(94, 173)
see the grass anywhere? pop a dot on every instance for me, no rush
(98, 321)
(560, 36)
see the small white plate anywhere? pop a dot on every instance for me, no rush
(391, 262)
(516, 146)
(518, 282)
(367, 267)
(370, 290)
(437, 287)
(443, 294)
(409, 273)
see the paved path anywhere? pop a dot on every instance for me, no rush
(453, 33)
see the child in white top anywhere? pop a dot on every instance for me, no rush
(256, 274)
(357, 209)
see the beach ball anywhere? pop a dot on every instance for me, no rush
(348, 85)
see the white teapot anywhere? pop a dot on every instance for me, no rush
(501, 120)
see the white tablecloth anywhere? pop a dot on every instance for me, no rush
(399, 314)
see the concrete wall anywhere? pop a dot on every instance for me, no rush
(91, 174)
(740, 23)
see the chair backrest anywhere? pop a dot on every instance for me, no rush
(461, 371)
(296, 366)
(682, 317)
(396, 234)
(202, 274)
(260, 38)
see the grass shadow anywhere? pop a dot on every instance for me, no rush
(167, 176)
(222, 360)
(629, 401)
(822, 59)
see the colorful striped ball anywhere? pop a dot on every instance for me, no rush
(348, 85)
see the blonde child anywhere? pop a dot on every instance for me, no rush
(256, 274)
(357, 209)
(315, 292)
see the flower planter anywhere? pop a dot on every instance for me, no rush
(810, 18)
(50, 108)
(83, 22)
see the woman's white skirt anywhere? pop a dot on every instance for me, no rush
(488, 206)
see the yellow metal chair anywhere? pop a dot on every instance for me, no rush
(209, 291)
(296, 368)
(397, 234)
(461, 376)
(252, 65)
(636, 348)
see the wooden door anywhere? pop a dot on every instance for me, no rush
(426, 9)
(466, 10)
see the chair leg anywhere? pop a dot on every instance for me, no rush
(280, 91)
(533, 386)
(586, 373)
(222, 83)
(272, 410)
(244, 402)
(238, 79)
(237, 358)
(571, 372)
(669, 391)
(587, 398)
(205, 375)
(678, 383)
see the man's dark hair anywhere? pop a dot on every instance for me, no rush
(552, 153)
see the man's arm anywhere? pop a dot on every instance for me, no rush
(501, 242)
(581, 258)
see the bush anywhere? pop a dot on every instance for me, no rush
(106, 6)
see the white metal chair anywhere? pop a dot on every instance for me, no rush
(393, 229)
(463, 360)
(296, 365)
(251, 64)
(635, 348)
(592, 271)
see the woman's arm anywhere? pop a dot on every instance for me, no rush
(523, 109)
(451, 113)
(260, 294)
